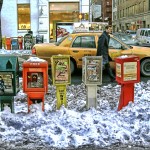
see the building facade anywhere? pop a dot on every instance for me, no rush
(40, 16)
(105, 11)
(130, 15)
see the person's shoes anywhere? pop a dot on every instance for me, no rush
(113, 79)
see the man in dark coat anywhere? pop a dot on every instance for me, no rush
(103, 50)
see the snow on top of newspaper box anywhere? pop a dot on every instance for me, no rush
(35, 59)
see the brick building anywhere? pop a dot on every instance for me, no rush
(106, 11)
(130, 15)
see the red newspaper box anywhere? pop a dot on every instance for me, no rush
(8, 43)
(20, 42)
(127, 73)
(35, 80)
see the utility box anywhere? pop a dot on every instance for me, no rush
(127, 73)
(91, 77)
(9, 80)
(61, 76)
(35, 80)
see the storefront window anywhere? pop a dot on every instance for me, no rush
(62, 12)
(23, 16)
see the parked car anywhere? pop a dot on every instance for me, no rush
(132, 33)
(126, 38)
(143, 35)
(78, 45)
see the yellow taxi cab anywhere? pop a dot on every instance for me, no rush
(78, 45)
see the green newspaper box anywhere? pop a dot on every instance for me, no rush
(9, 80)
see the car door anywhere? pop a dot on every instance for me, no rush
(83, 45)
(116, 49)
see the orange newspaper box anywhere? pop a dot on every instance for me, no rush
(127, 73)
(35, 80)
(8, 43)
(20, 42)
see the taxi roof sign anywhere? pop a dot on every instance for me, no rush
(89, 26)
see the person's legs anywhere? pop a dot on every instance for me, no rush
(110, 72)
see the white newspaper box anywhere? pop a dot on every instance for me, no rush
(91, 77)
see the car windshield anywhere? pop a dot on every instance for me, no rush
(124, 37)
(132, 32)
(148, 33)
(61, 40)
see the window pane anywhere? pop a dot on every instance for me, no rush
(23, 16)
(88, 42)
(77, 42)
(85, 42)
(114, 44)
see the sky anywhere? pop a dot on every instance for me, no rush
(75, 125)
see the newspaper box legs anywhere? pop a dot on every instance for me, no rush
(35, 97)
(91, 96)
(7, 101)
(127, 95)
(127, 73)
(35, 80)
(61, 96)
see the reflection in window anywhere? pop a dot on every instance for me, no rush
(84, 42)
(35, 80)
(23, 16)
(114, 44)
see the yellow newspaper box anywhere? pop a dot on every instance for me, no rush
(61, 77)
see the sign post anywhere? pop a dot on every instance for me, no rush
(92, 76)
(61, 76)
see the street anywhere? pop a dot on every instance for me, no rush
(76, 78)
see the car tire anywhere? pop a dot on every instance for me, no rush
(72, 66)
(145, 67)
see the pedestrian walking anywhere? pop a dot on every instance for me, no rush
(103, 50)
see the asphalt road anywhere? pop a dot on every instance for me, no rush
(76, 78)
